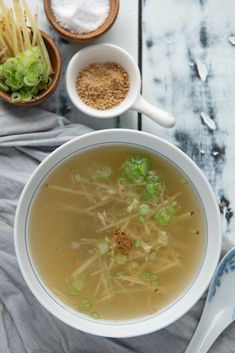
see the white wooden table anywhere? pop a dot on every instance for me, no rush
(166, 38)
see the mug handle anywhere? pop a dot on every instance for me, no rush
(158, 115)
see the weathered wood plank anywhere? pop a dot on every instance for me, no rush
(176, 34)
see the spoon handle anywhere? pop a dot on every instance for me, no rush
(209, 328)
(156, 114)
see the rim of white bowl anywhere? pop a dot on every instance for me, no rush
(142, 325)
(126, 104)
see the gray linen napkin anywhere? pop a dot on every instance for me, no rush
(26, 138)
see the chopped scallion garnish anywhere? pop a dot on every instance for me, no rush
(144, 209)
(24, 75)
(154, 185)
(76, 286)
(102, 246)
(138, 243)
(95, 315)
(166, 215)
(136, 168)
(86, 306)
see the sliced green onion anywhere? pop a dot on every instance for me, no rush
(150, 277)
(1, 73)
(86, 306)
(14, 84)
(95, 315)
(25, 75)
(102, 173)
(26, 96)
(78, 177)
(146, 276)
(49, 81)
(102, 246)
(16, 97)
(76, 287)
(163, 217)
(153, 277)
(73, 291)
(138, 243)
(142, 219)
(136, 168)
(154, 185)
(106, 172)
(144, 209)
(134, 204)
(34, 91)
(4, 87)
(31, 80)
(155, 283)
(78, 284)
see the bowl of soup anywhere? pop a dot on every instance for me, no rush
(117, 233)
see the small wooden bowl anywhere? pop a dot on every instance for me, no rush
(55, 58)
(66, 34)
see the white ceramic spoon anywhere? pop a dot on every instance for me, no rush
(219, 310)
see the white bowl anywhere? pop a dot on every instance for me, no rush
(142, 325)
(102, 53)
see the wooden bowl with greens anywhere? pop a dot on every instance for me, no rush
(30, 62)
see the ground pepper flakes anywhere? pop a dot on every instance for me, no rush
(103, 85)
(122, 242)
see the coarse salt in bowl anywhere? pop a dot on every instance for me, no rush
(82, 16)
(81, 20)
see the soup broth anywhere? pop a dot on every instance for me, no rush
(117, 232)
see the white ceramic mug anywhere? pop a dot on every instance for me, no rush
(111, 53)
(140, 325)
